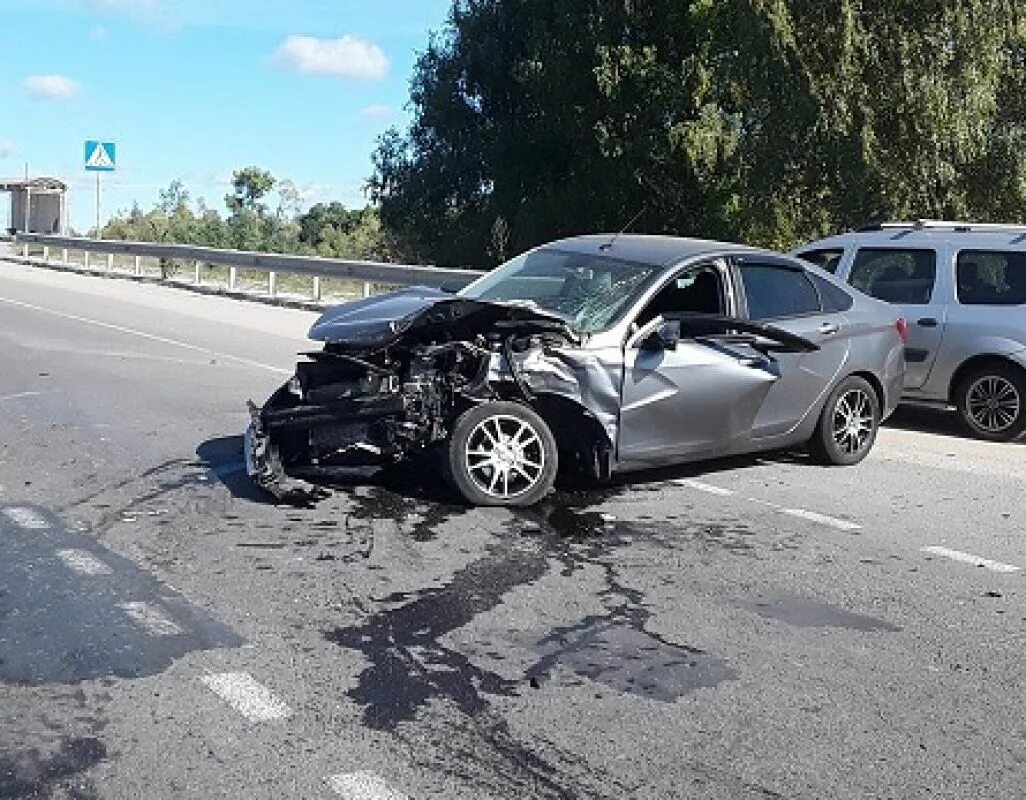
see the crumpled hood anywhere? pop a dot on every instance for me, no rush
(374, 319)
(379, 321)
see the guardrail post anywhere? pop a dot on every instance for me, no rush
(317, 287)
(64, 255)
(196, 271)
(46, 253)
(85, 259)
(24, 250)
(272, 283)
(366, 289)
(233, 278)
(138, 265)
(110, 262)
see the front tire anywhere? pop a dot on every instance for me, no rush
(502, 454)
(848, 424)
(991, 401)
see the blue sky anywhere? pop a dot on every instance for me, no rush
(192, 89)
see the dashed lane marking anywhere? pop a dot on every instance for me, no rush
(801, 513)
(704, 487)
(150, 618)
(27, 518)
(83, 562)
(969, 558)
(363, 786)
(143, 335)
(251, 699)
(19, 396)
(822, 519)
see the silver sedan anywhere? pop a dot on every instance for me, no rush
(600, 354)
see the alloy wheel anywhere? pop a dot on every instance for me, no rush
(853, 421)
(504, 456)
(993, 403)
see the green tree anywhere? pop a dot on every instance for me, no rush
(769, 121)
(249, 186)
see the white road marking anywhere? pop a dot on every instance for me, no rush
(143, 335)
(363, 786)
(704, 487)
(822, 519)
(27, 518)
(243, 693)
(969, 558)
(83, 562)
(152, 619)
(19, 396)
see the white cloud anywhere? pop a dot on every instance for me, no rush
(7, 149)
(348, 57)
(376, 113)
(51, 88)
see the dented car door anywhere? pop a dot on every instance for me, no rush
(698, 398)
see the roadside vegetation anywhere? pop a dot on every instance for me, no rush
(769, 122)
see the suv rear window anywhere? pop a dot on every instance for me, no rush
(897, 276)
(991, 278)
(827, 260)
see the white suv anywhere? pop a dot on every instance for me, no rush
(962, 288)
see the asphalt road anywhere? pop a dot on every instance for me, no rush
(752, 628)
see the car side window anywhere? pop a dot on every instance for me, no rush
(777, 292)
(834, 298)
(828, 260)
(991, 278)
(694, 291)
(895, 275)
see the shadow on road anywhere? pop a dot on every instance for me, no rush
(225, 459)
(938, 421)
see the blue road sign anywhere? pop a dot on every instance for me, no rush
(100, 156)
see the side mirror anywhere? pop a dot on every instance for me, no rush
(665, 337)
(452, 286)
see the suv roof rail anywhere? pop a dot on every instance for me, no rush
(943, 224)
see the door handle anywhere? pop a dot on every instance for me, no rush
(829, 328)
(927, 322)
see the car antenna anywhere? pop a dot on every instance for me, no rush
(608, 245)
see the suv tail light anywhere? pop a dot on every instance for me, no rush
(902, 327)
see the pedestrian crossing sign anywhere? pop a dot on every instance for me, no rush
(100, 156)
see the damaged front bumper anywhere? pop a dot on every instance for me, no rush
(265, 470)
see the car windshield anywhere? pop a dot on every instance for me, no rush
(589, 291)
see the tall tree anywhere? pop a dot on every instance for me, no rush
(764, 120)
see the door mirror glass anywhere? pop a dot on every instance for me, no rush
(664, 337)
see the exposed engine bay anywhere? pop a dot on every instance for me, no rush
(395, 374)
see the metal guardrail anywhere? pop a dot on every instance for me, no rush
(370, 273)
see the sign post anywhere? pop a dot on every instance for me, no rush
(100, 157)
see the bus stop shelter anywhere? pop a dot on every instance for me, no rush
(38, 205)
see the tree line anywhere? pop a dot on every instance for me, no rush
(263, 214)
(769, 122)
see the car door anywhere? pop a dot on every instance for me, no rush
(697, 392)
(782, 293)
(907, 278)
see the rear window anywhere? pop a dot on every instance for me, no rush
(991, 278)
(827, 260)
(895, 275)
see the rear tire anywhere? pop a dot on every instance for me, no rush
(991, 401)
(847, 425)
(502, 454)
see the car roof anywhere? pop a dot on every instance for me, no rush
(928, 233)
(647, 249)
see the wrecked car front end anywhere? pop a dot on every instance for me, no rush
(396, 373)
